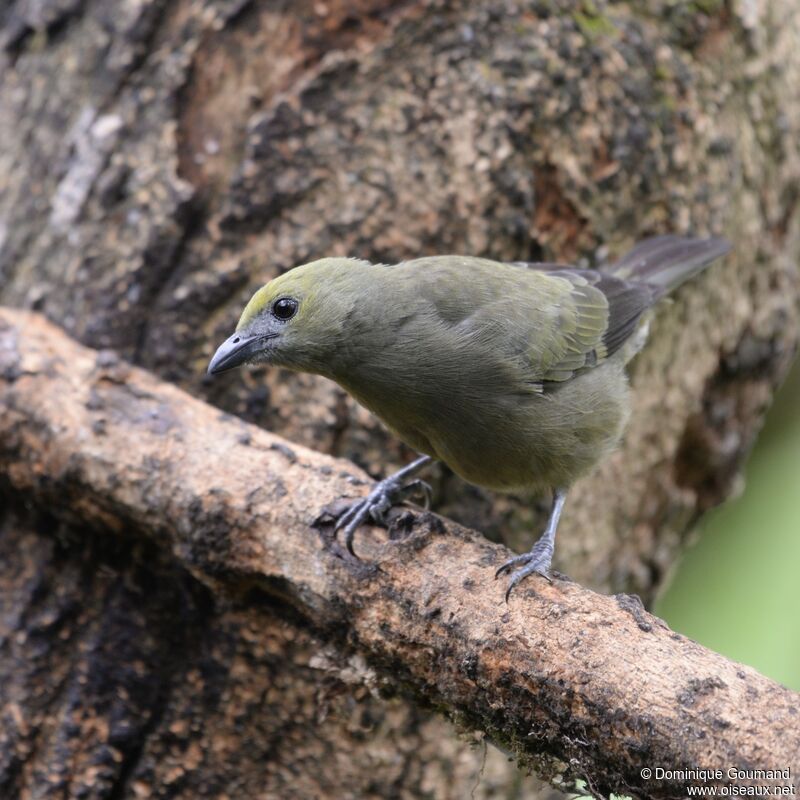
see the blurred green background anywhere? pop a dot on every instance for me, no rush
(737, 590)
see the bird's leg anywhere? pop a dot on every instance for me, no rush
(541, 554)
(388, 492)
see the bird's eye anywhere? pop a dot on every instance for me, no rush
(284, 308)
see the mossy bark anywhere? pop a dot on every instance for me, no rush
(161, 158)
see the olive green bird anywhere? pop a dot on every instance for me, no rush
(512, 374)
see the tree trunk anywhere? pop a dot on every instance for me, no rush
(160, 159)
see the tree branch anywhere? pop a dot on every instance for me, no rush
(575, 684)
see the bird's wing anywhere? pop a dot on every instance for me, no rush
(551, 320)
(624, 302)
(559, 321)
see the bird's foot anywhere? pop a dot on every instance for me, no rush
(541, 554)
(389, 492)
(537, 560)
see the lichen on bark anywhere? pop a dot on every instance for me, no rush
(162, 158)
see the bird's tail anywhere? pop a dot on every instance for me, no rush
(665, 262)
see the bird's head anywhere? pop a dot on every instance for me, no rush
(295, 320)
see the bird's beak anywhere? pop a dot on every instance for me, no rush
(235, 351)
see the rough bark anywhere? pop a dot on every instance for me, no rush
(161, 158)
(544, 677)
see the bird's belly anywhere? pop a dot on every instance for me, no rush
(538, 445)
(505, 456)
(512, 442)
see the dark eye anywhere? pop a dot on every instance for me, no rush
(284, 308)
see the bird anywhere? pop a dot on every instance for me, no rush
(511, 373)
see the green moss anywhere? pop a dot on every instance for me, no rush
(663, 73)
(593, 24)
(709, 7)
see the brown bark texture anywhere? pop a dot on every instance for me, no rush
(577, 685)
(159, 159)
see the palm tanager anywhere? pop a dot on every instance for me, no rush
(512, 374)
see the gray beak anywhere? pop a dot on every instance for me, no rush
(235, 351)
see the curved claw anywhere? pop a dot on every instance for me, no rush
(346, 516)
(421, 489)
(519, 576)
(383, 496)
(349, 520)
(537, 560)
(361, 513)
(511, 563)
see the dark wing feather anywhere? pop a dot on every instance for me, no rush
(603, 309)
(591, 343)
(626, 303)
